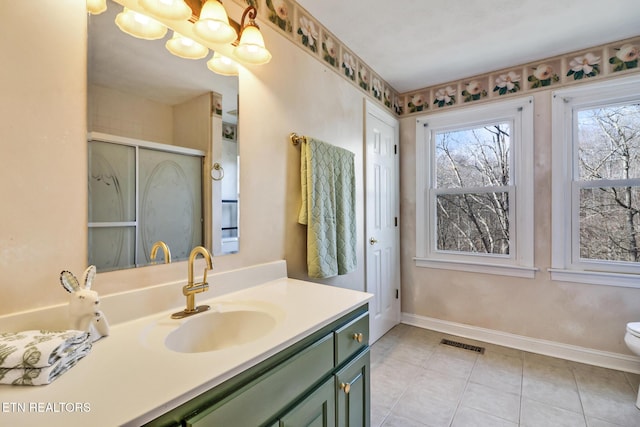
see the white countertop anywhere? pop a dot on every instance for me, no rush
(127, 380)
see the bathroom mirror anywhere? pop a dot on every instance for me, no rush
(137, 90)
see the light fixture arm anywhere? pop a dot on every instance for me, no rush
(250, 47)
(253, 14)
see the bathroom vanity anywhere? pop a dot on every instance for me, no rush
(323, 378)
(301, 356)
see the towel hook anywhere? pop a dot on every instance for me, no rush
(218, 167)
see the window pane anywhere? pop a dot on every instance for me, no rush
(473, 222)
(610, 224)
(609, 142)
(477, 157)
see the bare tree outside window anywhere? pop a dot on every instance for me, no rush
(472, 189)
(608, 180)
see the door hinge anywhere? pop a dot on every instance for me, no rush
(395, 148)
(395, 220)
(397, 293)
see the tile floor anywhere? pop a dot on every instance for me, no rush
(416, 381)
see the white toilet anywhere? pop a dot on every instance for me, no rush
(632, 339)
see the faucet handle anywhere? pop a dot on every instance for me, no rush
(195, 288)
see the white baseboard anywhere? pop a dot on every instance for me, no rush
(621, 362)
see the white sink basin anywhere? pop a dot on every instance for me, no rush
(226, 325)
(214, 331)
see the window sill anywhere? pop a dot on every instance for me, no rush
(501, 270)
(596, 278)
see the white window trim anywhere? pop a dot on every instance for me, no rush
(520, 263)
(563, 266)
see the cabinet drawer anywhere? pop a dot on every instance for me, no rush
(351, 337)
(269, 394)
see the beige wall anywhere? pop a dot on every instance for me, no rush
(43, 185)
(294, 93)
(43, 188)
(583, 315)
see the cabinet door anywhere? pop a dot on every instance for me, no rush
(352, 389)
(270, 394)
(317, 410)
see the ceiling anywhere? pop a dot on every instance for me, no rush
(414, 44)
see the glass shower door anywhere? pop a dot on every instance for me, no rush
(138, 196)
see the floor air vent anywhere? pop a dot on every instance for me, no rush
(463, 346)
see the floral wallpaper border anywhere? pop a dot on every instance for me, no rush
(229, 131)
(293, 22)
(600, 62)
(216, 104)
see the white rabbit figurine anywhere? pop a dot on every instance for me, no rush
(84, 304)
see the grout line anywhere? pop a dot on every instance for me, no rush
(634, 388)
(575, 380)
(466, 386)
(401, 338)
(522, 359)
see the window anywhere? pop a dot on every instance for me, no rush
(474, 189)
(596, 183)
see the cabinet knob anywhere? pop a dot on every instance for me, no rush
(358, 337)
(346, 387)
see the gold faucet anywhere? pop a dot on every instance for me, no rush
(160, 245)
(191, 289)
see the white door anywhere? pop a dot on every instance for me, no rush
(381, 217)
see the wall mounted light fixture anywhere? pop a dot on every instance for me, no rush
(251, 47)
(222, 65)
(169, 9)
(140, 25)
(198, 26)
(96, 7)
(213, 23)
(186, 48)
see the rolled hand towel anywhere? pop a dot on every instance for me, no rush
(45, 375)
(38, 348)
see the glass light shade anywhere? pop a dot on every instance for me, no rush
(213, 24)
(96, 7)
(184, 47)
(170, 9)
(222, 65)
(251, 47)
(139, 25)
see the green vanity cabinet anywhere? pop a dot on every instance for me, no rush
(297, 387)
(343, 400)
(353, 396)
(317, 410)
(351, 338)
(272, 392)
